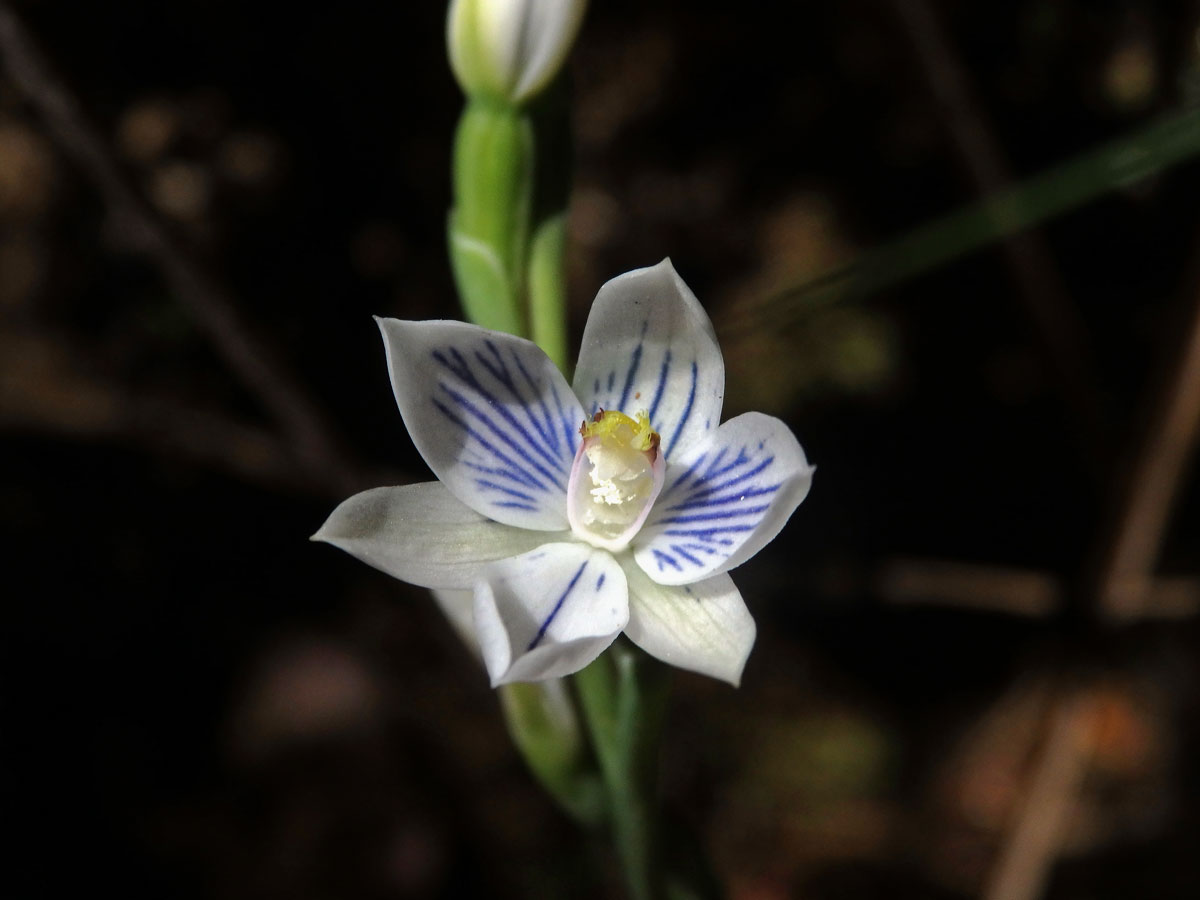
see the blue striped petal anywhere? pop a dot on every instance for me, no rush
(549, 612)
(724, 499)
(649, 345)
(491, 415)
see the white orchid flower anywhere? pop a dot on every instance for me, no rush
(510, 48)
(573, 514)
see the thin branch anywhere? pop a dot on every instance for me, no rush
(40, 395)
(210, 305)
(1126, 557)
(919, 582)
(1059, 770)
(1164, 446)
(1055, 318)
(1026, 593)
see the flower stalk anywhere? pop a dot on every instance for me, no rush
(566, 514)
(548, 289)
(543, 723)
(490, 222)
(506, 229)
(623, 695)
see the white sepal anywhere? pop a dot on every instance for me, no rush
(703, 627)
(549, 612)
(420, 533)
(458, 606)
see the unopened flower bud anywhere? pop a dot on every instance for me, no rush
(510, 49)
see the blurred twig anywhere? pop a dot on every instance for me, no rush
(310, 438)
(1057, 324)
(1119, 589)
(1163, 447)
(1003, 589)
(41, 393)
(1050, 798)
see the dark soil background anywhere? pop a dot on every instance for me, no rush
(200, 703)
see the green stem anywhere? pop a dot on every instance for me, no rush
(489, 225)
(543, 724)
(624, 696)
(546, 283)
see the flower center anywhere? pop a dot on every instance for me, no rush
(618, 472)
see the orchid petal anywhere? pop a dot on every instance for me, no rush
(458, 606)
(649, 345)
(491, 415)
(724, 500)
(703, 627)
(422, 534)
(549, 612)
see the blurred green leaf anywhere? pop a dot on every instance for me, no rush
(1114, 165)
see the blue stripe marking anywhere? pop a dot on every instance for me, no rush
(492, 486)
(704, 533)
(709, 517)
(737, 497)
(687, 410)
(688, 473)
(570, 431)
(686, 555)
(483, 442)
(634, 363)
(551, 432)
(742, 459)
(665, 558)
(513, 504)
(462, 370)
(514, 476)
(703, 492)
(506, 379)
(504, 436)
(737, 479)
(600, 582)
(557, 606)
(662, 385)
(499, 371)
(708, 473)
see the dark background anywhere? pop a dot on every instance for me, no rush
(199, 703)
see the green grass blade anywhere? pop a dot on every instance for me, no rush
(1116, 164)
